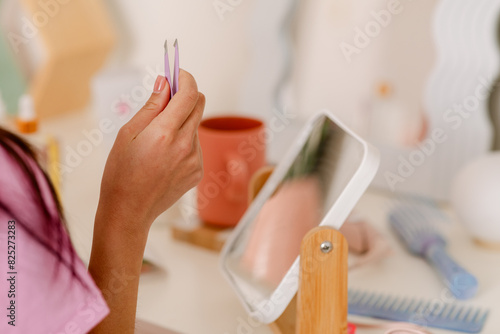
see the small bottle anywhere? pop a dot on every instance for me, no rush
(27, 121)
(393, 122)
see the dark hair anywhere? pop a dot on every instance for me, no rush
(56, 238)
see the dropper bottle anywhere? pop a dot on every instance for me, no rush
(27, 122)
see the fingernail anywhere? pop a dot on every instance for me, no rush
(159, 84)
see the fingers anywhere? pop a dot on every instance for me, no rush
(153, 107)
(191, 124)
(182, 104)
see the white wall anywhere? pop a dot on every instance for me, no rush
(401, 54)
(218, 52)
(214, 51)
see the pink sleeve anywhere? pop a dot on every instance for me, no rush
(46, 296)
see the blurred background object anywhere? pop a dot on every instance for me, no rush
(76, 36)
(475, 196)
(456, 101)
(388, 121)
(12, 80)
(59, 46)
(269, 33)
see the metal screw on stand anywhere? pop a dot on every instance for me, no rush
(326, 247)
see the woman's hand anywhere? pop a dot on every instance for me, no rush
(156, 157)
(155, 160)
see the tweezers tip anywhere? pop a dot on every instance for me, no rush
(175, 43)
(165, 45)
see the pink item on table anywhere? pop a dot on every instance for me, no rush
(365, 241)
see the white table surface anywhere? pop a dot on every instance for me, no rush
(192, 297)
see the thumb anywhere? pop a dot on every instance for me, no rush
(153, 107)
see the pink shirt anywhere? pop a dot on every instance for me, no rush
(46, 301)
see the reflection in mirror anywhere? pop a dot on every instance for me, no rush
(266, 249)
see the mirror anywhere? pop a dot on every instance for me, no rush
(299, 195)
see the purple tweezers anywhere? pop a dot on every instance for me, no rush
(174, 85)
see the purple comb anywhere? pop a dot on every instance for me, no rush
(426, 313)
(174, 86)
(422, 239)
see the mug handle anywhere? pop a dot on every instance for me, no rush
(239, 172)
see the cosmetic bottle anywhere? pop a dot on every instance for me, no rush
(27, 121)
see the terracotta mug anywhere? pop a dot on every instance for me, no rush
(234, 148)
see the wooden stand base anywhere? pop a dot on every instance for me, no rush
(321, 302)
(208, 237)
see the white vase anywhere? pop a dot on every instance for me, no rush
(476, 199)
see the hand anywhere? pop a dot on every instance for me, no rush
(156, 157)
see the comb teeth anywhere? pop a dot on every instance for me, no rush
(453, 317)
(411, 223)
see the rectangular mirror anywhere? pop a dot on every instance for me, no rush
(317, 183)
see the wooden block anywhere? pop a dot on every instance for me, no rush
(212, 238)
(322, 295)
(77, 38)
